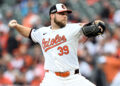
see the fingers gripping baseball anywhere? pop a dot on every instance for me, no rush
(12, 23)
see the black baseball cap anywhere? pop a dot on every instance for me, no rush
(59, 8)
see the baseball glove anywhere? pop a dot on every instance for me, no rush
(94, 28)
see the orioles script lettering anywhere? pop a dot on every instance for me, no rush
(51, 43)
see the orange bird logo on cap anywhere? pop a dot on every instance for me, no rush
(63, 6)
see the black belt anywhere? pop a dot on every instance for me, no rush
(76, 71)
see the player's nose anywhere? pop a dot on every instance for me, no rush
(65, 16)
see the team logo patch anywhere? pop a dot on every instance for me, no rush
(34, 30)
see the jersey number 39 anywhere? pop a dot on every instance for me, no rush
(63, 50)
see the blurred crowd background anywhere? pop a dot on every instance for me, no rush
(21, 60)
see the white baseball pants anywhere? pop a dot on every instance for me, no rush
(51, 79)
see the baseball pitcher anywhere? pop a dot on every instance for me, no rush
(59, 44)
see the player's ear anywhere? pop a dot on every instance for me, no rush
(51, 16)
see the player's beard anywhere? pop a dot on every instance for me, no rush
(60, 24)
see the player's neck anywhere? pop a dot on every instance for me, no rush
(54, 26)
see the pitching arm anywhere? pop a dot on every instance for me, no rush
(25, 31)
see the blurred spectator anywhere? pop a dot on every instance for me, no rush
(19, 78)
(86, 65)
(99, 77)
(39, 73)
(30, 19)
(111, 69)
(18, 1)
(45, 7)
(109, 62)
(10, 73)
(37, 54)
(86, 62)
(8, 14)
(91, 46)
(118, 50)
(28, 61)
(27, 5)
(1, 2)
(66, 2)
(75, 18)
(36, 22)
(110, 46)
(12, 42)
(17, 62)
(91, 2)
(3, 34)
(36, 81)
(117, 17)
(106, 44)
(116, 33)
(3, 27)
(39, 62)
(107, 12)
(4, 80)
(29, 75)
(44, 10)
(3, 40)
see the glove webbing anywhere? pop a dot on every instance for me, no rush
(91, 30)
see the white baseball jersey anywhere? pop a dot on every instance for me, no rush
(59, 46)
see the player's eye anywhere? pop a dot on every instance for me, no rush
(62, 13)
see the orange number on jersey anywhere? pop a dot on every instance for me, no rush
(63, 50)
(66, 50)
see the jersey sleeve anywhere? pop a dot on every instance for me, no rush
(35, 35)
(76, 29)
